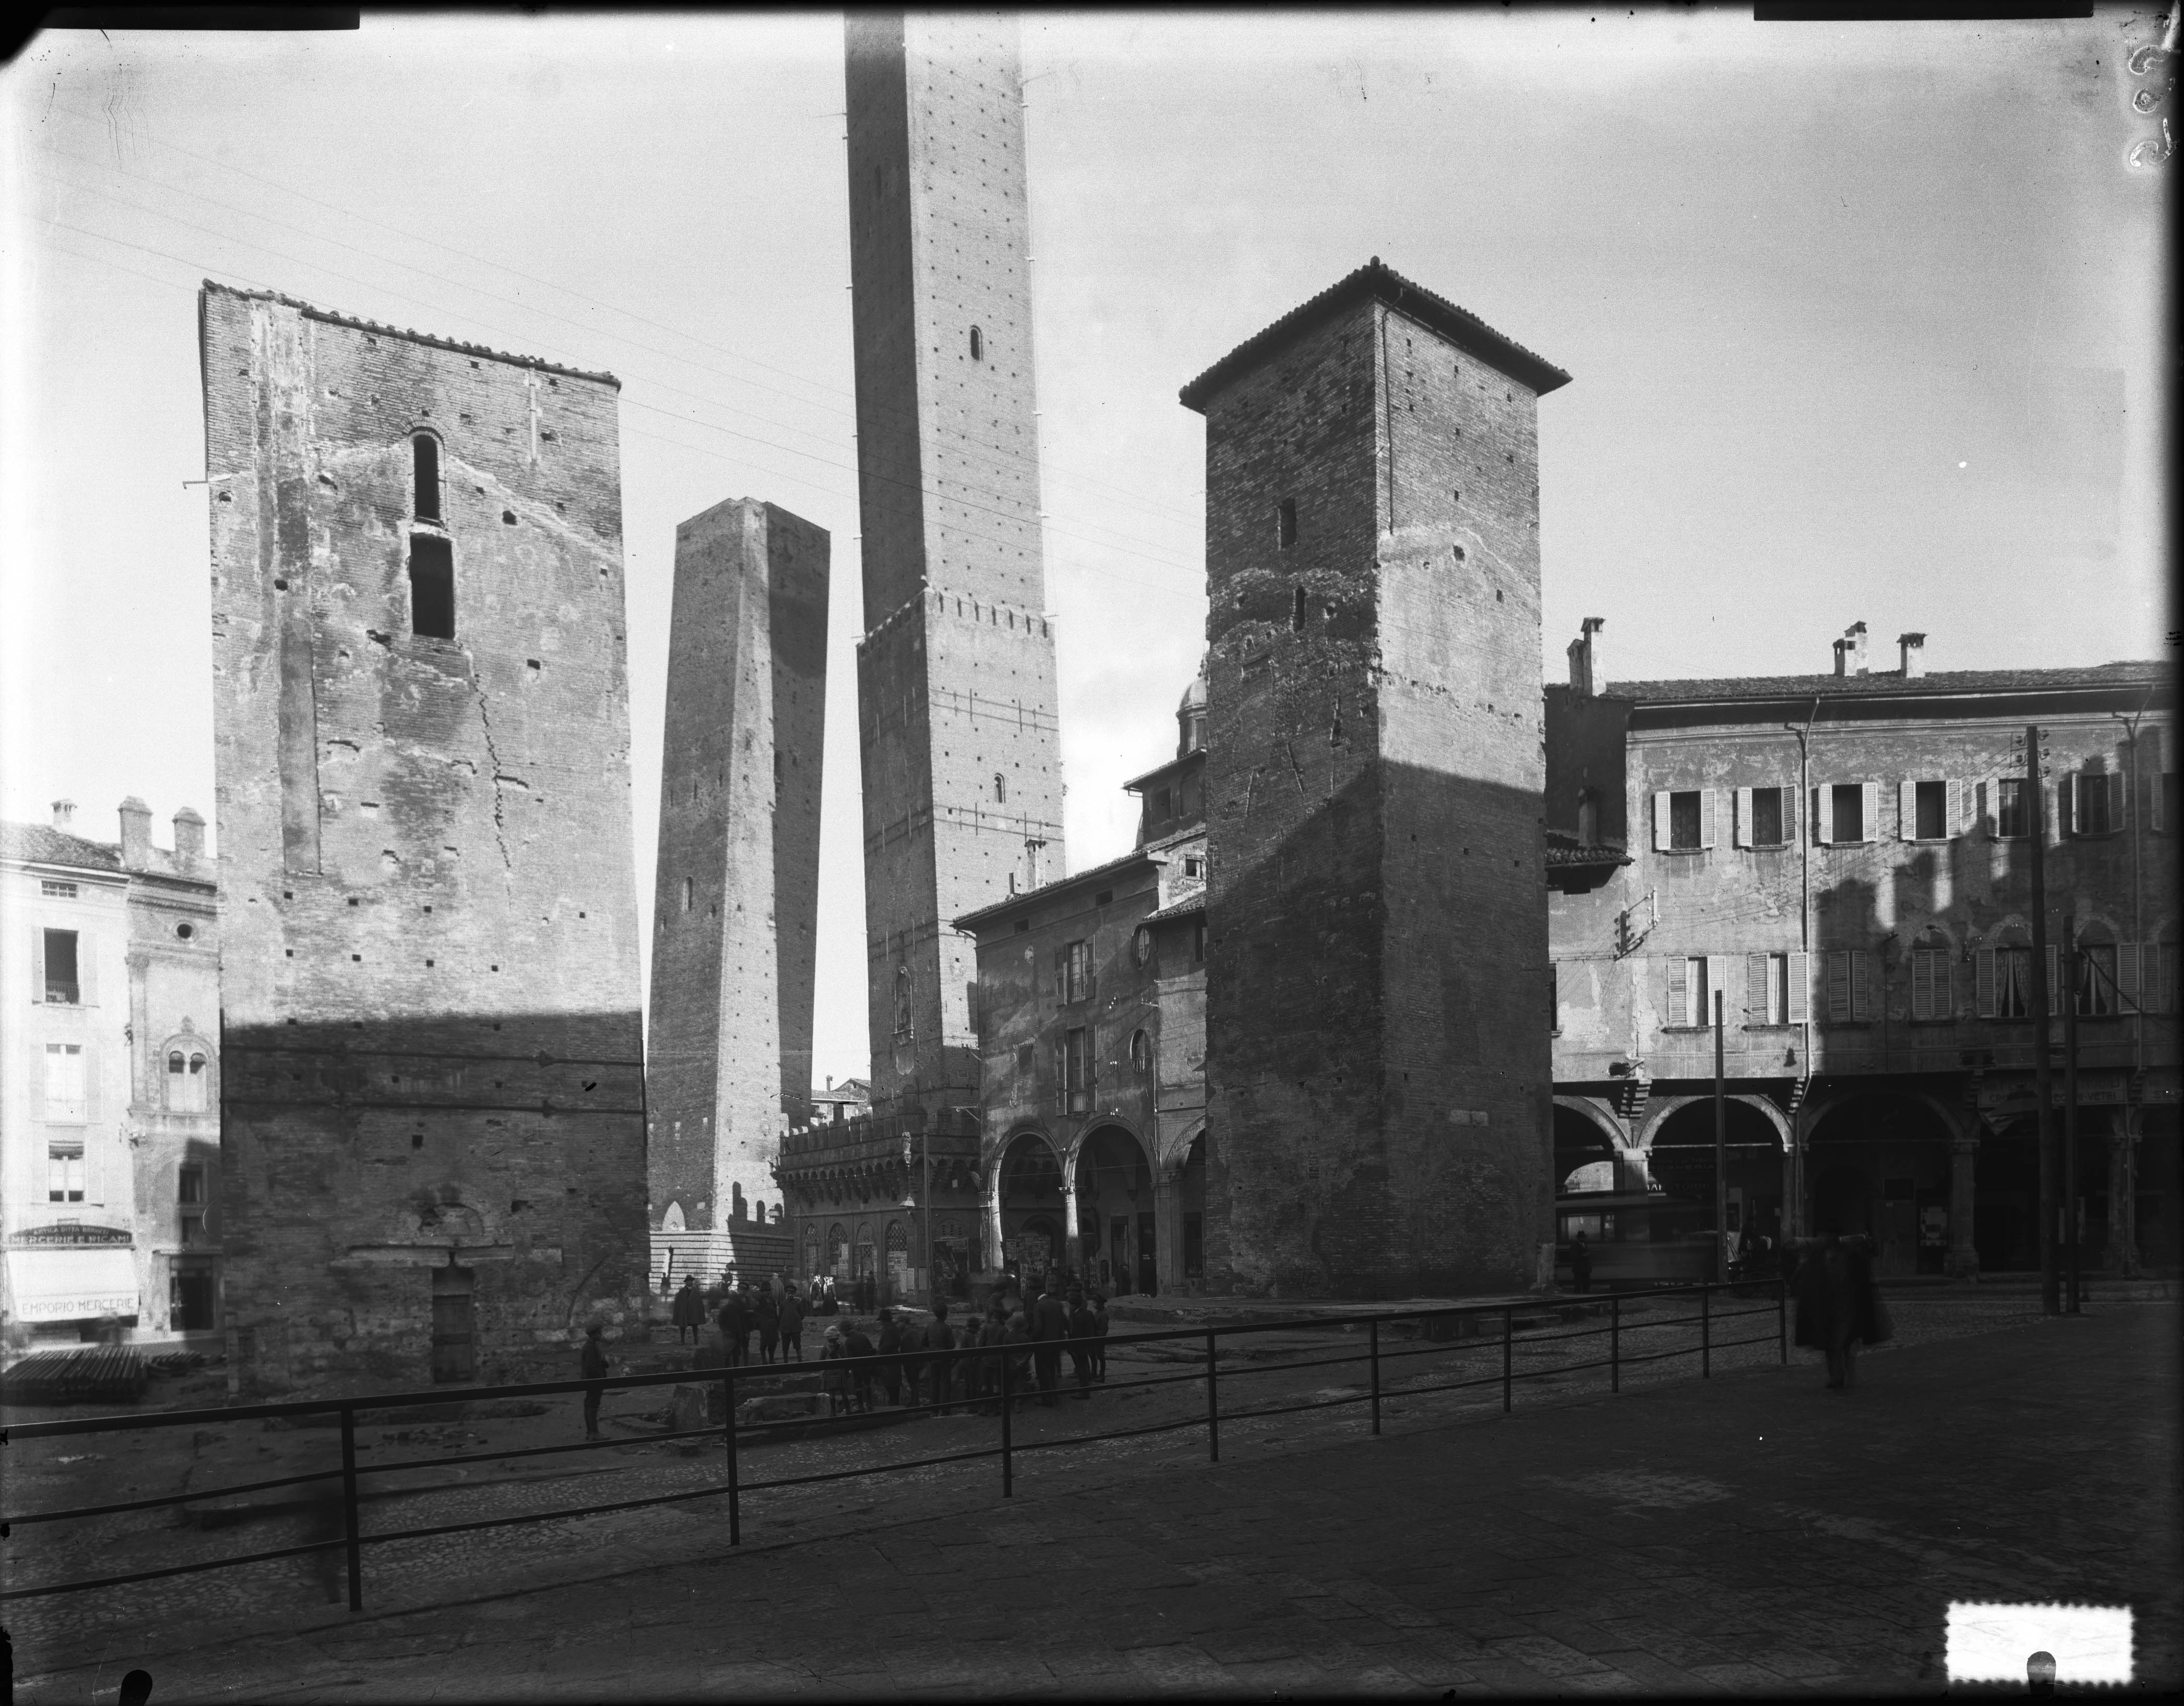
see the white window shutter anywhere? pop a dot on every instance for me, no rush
(1661, 822)
(1823, 813)
(1907, 810)
(1953, 810)
(1755, 989)
(1872, 811)
(1743, 831)
(87, 969)
(1678, 1009)
(2054, 805)
(90, 1085)
(1718, 985)
(38, 1071)
(37, 963)
(1983, 982)
(1707, 797)
(1861, 984)
(1801, 988)
(2128, 954)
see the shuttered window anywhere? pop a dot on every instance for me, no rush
(1849, 995)
(1932, 996)
(66, 1084)
(2013, 812)
(2092, 803)
(1798, 988)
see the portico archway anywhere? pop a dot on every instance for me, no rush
(1117, 1217)
(1879, 1163)
(1033, 1216)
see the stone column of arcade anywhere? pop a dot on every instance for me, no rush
(1167, 1218)
(1962, 1262)
(993, 1237)
(1072, 1255)
(2122, 1253)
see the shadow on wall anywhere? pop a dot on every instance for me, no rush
(438, 1198)
(1377, 1066)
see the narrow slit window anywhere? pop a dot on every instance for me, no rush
(426, 461)
(978, 344)
(1296, 612)
(1285, 524)
(1000, 789)
(431, 586)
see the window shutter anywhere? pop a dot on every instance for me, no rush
(1801, 988)
(1861, 984)
(2066, 802)
(1743, 830)
(1871, 800)
(37, 963)
(1983, 982)
(2115, 799)
(2054, 978)
(1755, 989)
(1907, 810)
(1707, 797)
(89, 1058)
(1661, 822)
(38, 1071)
(1717, 974)
(87, 969)
(2149, 765)
(1839, 985)
(1678, 1010)
(1952, 809)
(1922, 982)
(2054, 801)
(1824, 814)
(2127, 971)
(1061, 1072)
(1060, 973)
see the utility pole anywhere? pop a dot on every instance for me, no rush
(1720, 1150)
(924, 1212)
(2042, 1073)
(2072, 971)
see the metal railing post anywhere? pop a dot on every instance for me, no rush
(1008, 1401)
(349, 1521)
(1508, 1327)
(1706, 1332)
(1614, 1344)
(1782, 1316)
(1374, 1328)
(735, 1481)
(1212, 1406)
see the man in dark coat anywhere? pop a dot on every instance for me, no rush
(1581, 1263)
(891, 1346)
(1083, 1334)
(734, 1327)
(792, 1325)
(688, 1314)
(940, 1369)
(1050, 1326)
(593, 1367)
(859, 1350)
(1838, 1306)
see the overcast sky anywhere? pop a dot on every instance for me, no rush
(1863, 323)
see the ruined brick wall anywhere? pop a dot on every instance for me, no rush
(1376, 1053)
(432, 1056)
(736, 901)
(955, 672)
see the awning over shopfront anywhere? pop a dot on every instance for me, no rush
(72, 1283)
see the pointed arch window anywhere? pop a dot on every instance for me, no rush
(425, 467)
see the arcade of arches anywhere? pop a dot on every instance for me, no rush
(1110, 1221)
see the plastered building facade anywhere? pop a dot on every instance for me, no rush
(433, 1117)
(1377, 1075)
(957, 733)
(736, 902)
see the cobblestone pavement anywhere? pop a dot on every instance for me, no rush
(1750, 1533)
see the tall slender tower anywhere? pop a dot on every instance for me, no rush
(737, 902)
(956, 680)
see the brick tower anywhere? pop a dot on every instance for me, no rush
(955, 677)
(1378, 1107)
(433, 1100)
(737, 901)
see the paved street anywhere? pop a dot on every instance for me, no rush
(1753, 1532)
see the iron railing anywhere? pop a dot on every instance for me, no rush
(1000, 1373)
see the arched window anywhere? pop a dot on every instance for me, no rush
(186, 1078)
(425, 461)
(1000, 789)
(1141, 1051)
(2096, 986)
(2001, 974)
(978, 344)
(902, 1001)
(690, 893)
(811, 1249)
(1933, 985)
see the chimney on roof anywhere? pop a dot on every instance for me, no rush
(1584, 659)
(1850, 651)
(189, 835)
(136, 834)
(64, 816)
(1912, 649)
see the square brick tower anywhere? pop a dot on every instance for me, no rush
(955, 677)
(736, 908)
(432, 1105)
(1378, 1103)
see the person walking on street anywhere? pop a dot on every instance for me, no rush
(1016, 1343)
(1050, 1326)
(859, 1350)
(1100, 1337)
(1838, 1306)
(940, 1367)
(769, 1324)
(891, 1346)
(592, 1366)
(688, 1312)
(1581, 1263)
(993, 1333)
(792, 1326)
(730, 1323)
(1084, 1334)
(834, 1372)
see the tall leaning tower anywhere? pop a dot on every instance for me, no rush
(955, 678)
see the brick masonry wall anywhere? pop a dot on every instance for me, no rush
(955, 672)
(1377, 1070)
(736, 900)
(430, 983)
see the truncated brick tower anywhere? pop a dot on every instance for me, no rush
(737, 902)
(432, 1110)
(1378, 1107)
(955, 676)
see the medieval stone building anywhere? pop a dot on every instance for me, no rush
(432, 1116)
(735, 902)
(1377, 1075)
